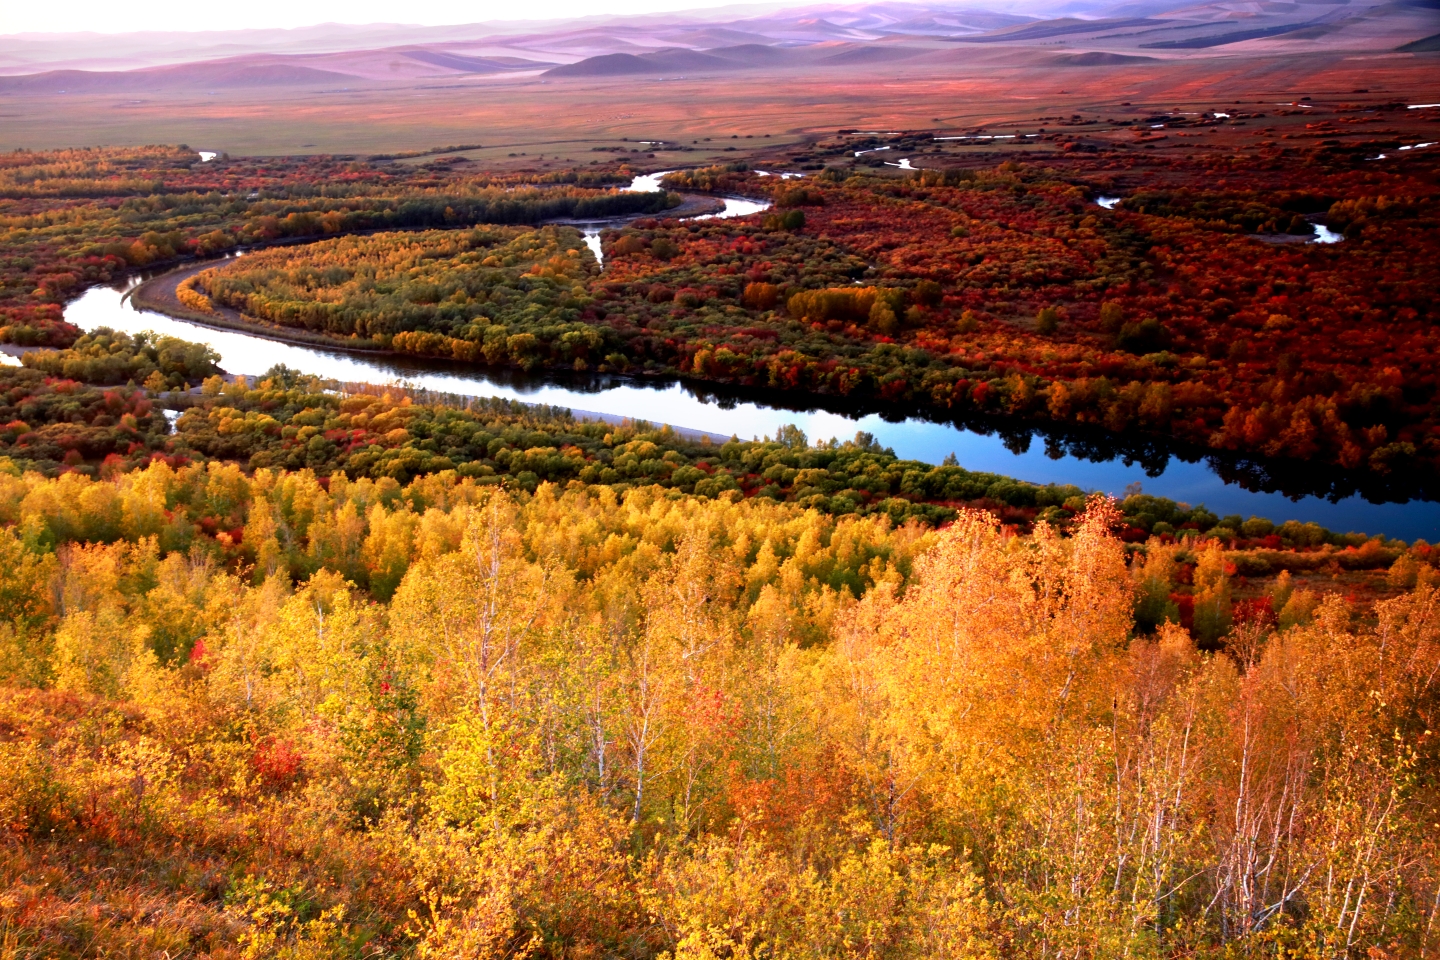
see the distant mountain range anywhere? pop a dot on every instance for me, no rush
(859, 37)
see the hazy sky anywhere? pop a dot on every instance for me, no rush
(106, 16)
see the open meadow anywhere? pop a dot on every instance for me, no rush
(558, 122)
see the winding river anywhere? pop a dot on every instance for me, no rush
(650, 182)
(1089, 460)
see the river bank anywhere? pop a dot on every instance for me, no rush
(159, 294)
(1024, 451)
(1037, 452)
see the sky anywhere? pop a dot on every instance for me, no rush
(106, 16)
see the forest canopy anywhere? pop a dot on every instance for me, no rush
(1007, 293)
(492, 295)
(310, 714)
(295, 669)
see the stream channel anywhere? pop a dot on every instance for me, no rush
(1092, 460)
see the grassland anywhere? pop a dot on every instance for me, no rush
(565, 120)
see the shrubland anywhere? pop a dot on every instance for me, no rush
(1006, 290)
(1002, 291)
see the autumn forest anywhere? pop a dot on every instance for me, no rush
(298, 668)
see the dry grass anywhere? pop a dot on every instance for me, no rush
(565, 119)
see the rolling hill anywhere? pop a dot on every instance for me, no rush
(830, 38)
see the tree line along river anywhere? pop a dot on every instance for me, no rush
(1093, 462)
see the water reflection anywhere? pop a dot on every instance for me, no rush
(1093, 460)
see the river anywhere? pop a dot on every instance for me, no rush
(649, 183)
(1087, 460)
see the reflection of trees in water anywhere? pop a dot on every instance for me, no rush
(1151, 454)
(1015, 440)
(1297, 479)
(1290, 478)
(1293, 479)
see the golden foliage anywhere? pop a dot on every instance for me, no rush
(452, 720)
